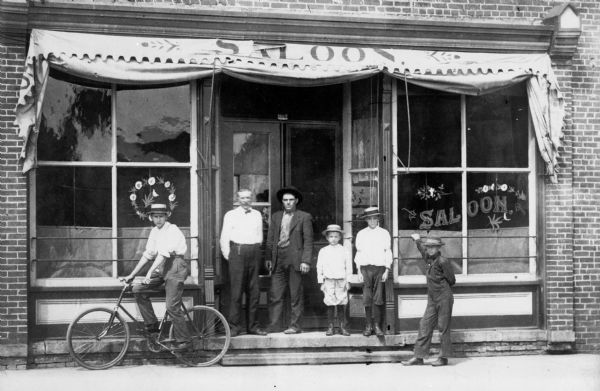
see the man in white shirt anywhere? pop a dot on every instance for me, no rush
(241, 237)
(166, 246)
(374, 260)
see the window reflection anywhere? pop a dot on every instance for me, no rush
(75, 123)
(153, 125)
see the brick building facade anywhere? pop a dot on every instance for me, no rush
(566, 291)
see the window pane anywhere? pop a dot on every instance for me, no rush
(73, 222)
(154, 125)
(366, 97)
(497, 129)
(251, 164)
(75, 123)
(155, 185)
(498, 223)
(429, 202)
(434, 128)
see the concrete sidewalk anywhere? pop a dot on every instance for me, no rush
(579, 372)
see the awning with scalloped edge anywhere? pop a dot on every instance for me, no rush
(142, 61)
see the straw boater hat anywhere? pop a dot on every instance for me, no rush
(289, 190)
(371, 211)
(158, 208)
(333, 228)
(432, 242)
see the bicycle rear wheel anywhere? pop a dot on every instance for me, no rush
(210, 337)
(98, 338)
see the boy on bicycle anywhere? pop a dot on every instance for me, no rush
(166, 247)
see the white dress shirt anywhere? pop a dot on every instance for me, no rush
(333, 262)
(165, 241)
(242, 228)
(373, 247)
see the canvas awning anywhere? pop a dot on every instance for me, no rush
(152, 61)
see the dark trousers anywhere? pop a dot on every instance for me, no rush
(372, 285)
(438, 313)
(284, 276)
(243, 278)
(176, 271)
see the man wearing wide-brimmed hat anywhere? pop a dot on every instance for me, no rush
(373, 259)
(288, 256)
(166, 246)
(440, 277)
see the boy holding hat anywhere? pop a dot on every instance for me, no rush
(334, 265)
(166, 246)
(374, 260)
(440, 277)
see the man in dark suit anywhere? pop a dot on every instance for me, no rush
(288, 256)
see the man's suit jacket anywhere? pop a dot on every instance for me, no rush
(300, 249)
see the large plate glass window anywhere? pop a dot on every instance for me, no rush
(465, 173)
(86, 223)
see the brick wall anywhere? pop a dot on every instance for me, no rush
(13, 211)
(586, 180)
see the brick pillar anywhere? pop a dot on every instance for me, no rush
(13, 215)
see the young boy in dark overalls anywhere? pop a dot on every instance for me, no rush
(440, 277)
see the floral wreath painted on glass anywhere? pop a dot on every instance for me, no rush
(148, 191)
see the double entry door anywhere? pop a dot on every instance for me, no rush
(264, 156)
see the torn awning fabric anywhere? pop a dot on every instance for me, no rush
(139, 61)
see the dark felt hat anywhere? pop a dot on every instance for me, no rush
(289, 190)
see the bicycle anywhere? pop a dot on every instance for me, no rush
(99, 337)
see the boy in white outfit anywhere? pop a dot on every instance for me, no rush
(374, 260)
(334, 266)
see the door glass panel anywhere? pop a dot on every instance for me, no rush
(251, 164)
(312, 162)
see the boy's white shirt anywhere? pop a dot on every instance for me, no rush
(334, 261)
(373, 247)
(165, 241)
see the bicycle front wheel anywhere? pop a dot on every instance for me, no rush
(98, 338)
(210, 337)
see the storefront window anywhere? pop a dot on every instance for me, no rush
(79, 188)
(476, 197)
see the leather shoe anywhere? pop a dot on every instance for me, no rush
(413, 361)
(344, 332)
(440, 362)
(292, 330)
(378, 331)
(368, 330)
(180, 346)
(258, 331)
(329, 331)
